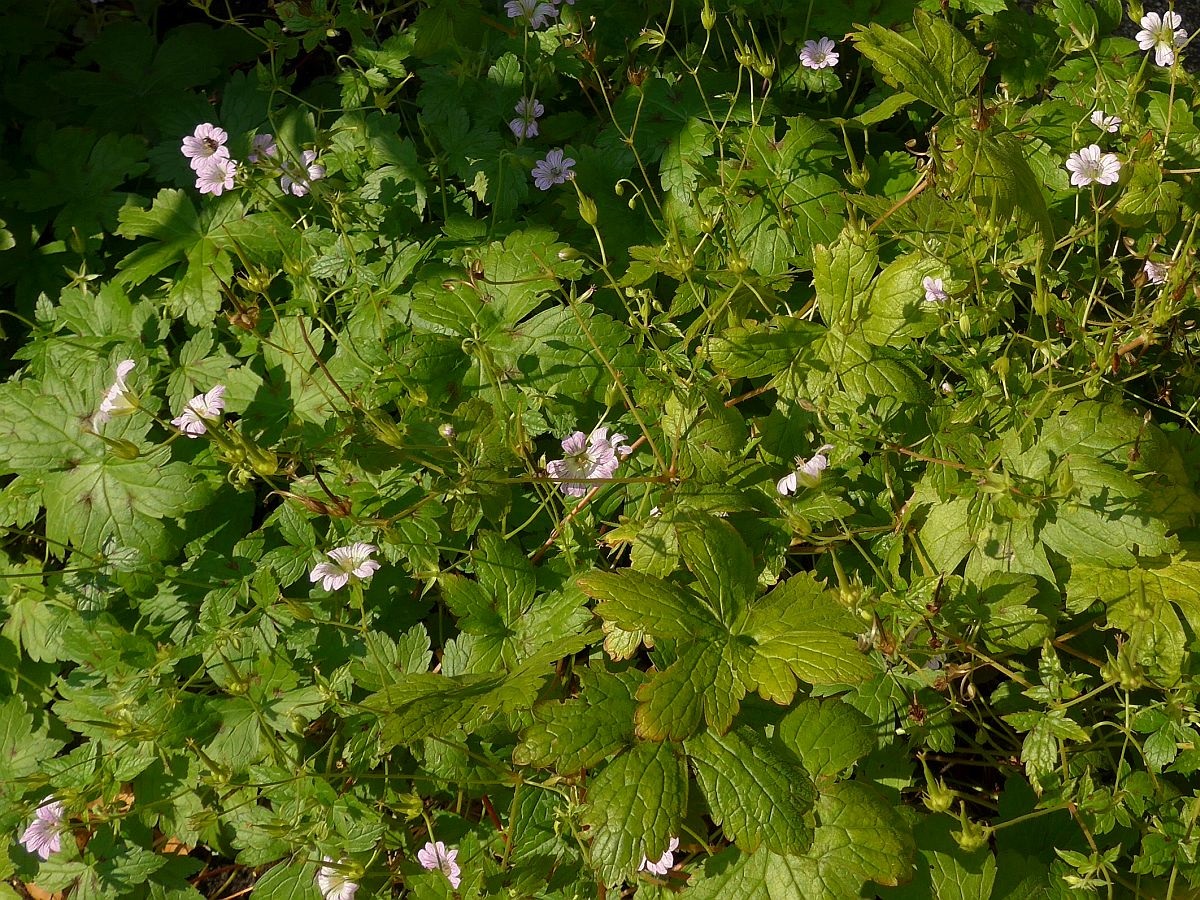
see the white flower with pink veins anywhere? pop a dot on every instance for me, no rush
(437, 856)
(350, 563)
(664, 863)
(807, 472)
(118, 400)
(43, 837)
(587, 458)
(200, 410)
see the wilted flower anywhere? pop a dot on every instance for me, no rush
(935, 292)
(216, 176)
(349, 563)
(262, 148)
(1163, 34)
(334, 884)
(534, 13)
(819, 54)
(587, 457)
(44, 834)
(552, 170)
(664, 863)
(117, 400)
(297, 181)
(207, 142)
(439, 856)
(807, 472)
(1089, 166)
(1156, 273)
(1111, 124)
(208, 406)
(525, 124)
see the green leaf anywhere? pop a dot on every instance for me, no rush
(1105, 521)
(39, 431)
(130, 500)
(289, 881)
(1148, 197)
(935, 63)
(23, 748)
(827, 735)
(994, 171)
(579, 733)
(716, 554)
(754, 793)
(640, 602)
(704, 681)
(842, 274)
(770, 349)
(860, 837)
(944, 870)
(1156, 604)
(635, 806)
(895, 310)
(814, 656)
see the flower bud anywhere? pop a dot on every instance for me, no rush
(568, 253)
(409, 806)
(446, 430)
(264, 462)
(708, 18)
(972, 836)
(123, 449)
(1065, 482)
(859, 177)
(938, 798)
(764, 66)
(738, 264)
(587, 209)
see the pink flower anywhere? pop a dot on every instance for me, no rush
(117, 400)
(335, 885)
(216, 176)
(935, 292)
(44, 834)
(525, 124)
(1163, 34)
(207, 142)
(201, 409)
(439, 856)
(587, 457)
(299, 182)
(819, 54)
(1089, 166)
(1156, 273)
(349, 563)
(534, 13)
(262, 148)
(664, 863)
(552, 170)
(807, 473)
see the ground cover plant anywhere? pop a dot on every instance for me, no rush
(470, 448)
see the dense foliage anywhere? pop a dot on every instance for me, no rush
(458, 448)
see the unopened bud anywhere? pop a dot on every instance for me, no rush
(264, 462)
(446, 430)
(971, 836)
(708, 18)
(938, 798)
(587, 209)
(568, 253)
(859, 177)
(122, 449)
